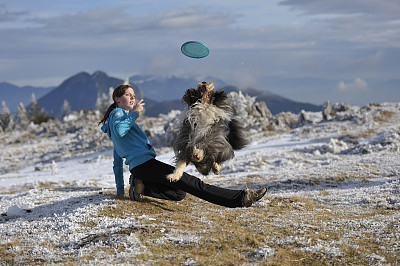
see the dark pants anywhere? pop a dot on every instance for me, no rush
(153, 174)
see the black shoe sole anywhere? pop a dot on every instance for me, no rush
(136, 189)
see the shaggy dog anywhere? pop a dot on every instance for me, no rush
(208, 134)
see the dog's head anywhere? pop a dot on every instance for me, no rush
(197, 154)
(204, 159)
(201, 160)
(214, 148)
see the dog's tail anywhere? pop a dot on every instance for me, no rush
(237, 136)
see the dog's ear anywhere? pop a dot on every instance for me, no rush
(219, 98)
(191, 96)
(237, 136)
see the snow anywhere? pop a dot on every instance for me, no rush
(350, 162)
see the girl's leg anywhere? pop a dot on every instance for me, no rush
(163, 192)
(154, 171)
(160, 191)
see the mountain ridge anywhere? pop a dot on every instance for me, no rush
(161, 94)
(81, 91)
(13, 95)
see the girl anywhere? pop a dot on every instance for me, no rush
(148, 175)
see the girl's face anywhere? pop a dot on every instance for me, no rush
(127, 100)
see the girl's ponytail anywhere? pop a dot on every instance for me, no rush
(107, 113)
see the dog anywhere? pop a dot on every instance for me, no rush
(208, 135)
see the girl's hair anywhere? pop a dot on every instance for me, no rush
(118, 92)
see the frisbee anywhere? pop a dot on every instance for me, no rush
(195, 49)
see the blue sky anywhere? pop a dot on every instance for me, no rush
(306, 50)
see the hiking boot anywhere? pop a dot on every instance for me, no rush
(253, 195)
(136, 188)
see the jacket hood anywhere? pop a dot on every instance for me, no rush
(106, 129)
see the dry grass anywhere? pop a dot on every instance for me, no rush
(383, 116)
(213, 235)
(8, 257)
(279, 230)
(340, 177)
(192, 229)
(361, 134)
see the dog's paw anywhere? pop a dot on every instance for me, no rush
(216, 168)
(174, 177)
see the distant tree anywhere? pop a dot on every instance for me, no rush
(37, 115)
(100, 103)
(5, 117)
(34, 106)
(66, 109)
(104, 101)
(110, 98)
(21, 117)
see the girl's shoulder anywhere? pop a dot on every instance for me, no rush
(117, 112)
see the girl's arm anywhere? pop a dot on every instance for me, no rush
(118, 168)
(123, 123)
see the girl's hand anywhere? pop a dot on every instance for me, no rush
(139, 106)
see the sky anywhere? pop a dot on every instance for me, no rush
(306, 50)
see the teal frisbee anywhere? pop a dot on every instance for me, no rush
(195, 49)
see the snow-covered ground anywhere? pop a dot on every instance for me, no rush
(333, 188)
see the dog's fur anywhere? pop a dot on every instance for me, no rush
(208, 134)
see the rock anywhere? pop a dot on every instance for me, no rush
(255, 115)
(341, 107)
(304, 118)
(260, 109)
(327, 111)
(71, 129)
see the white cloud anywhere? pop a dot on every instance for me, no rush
(357, 85)
(383, 10)
(193, 18)
(10, 15)
(160, 64)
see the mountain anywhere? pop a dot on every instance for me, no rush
(278, 104)
(13, 95)
(169, 88)
(81, 91)
(161, 94)
(154, 108)
(275, 103)
(165, 94)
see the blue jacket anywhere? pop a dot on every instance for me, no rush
(130, 142)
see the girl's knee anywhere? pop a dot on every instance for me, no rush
(180, 195)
